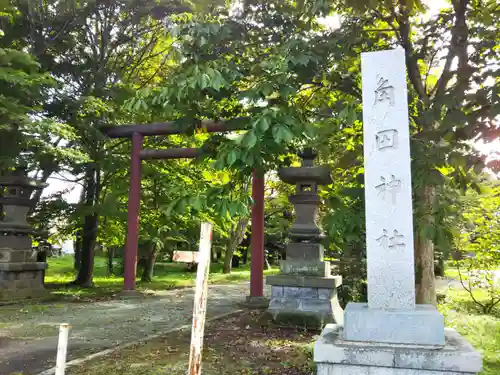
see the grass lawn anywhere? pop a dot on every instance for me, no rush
(481, 330)
(250, 344)
(166, 276)
(451, 273)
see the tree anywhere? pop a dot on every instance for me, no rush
(478, 244)
(450, 105)
(23, 86)
(99, 51)
(284, 72)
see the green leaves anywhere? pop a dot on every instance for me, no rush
(282, 134)
(231, 157)
(262, 124)
(249, 140)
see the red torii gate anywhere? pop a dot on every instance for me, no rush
(137, 134)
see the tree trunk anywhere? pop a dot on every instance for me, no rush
(111, 254)
(78, 251)
(424, 252)
(266, 262)
(149, 265)
(237, 235)
(85, 273)
(244, 258)
(90, 226)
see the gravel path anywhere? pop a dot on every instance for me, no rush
(28, 335)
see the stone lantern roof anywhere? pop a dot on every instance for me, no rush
(306, 178)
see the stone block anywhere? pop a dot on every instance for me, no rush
(328, 369)
(276, 291)
(301, 319)
(325, 293)
(299, 292)
(28, 266)
(423, 325)
(336, 356)
(315, 305)
(20, 281)
(306, 268)
(305, 281)
(304, 251)
(15, 242)
(283, 304)
(17, 256)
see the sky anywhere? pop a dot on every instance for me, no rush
(74, 190)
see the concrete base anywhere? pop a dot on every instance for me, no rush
(256, 302)
(335, 356)
(21, 281)
(305, 301)
(422, 326)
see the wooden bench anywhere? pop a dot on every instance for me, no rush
(191, 258)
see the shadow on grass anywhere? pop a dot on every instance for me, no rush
(481, 330)
(167, 276)
(491, 367)
(463, 303)
(470, 307)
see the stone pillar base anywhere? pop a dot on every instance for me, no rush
(256, 302)
(335, 356)
(423, 325)
(305, 301)
(22, 280)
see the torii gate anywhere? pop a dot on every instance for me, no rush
(137, 134)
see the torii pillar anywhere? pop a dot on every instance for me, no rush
(134, 202)
(257, 243)
(131, 244)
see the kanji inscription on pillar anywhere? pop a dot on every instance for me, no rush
(387, 139)
(389, 187)
(389, 216)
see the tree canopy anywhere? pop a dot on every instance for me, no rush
(284, 70)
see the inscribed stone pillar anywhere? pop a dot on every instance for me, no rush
(390, 335)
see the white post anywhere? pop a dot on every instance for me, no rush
(200, 300)
(62, 348)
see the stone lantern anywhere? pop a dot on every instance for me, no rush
(21, 276)
(305, 292)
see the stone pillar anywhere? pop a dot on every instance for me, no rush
(305, 292)
(21, 276)
(390, 335)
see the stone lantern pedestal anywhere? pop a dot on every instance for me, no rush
(21, 276)
(305, 292)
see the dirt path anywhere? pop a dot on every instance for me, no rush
(28, 335)
(443, 284)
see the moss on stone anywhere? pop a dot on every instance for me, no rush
(302, 320)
